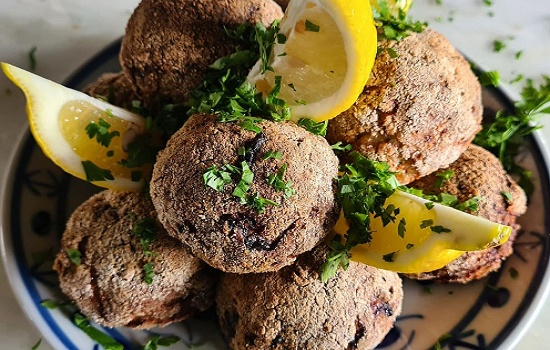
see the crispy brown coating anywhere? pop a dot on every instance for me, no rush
(478, 173)
(418, 112)
(218, 228)
(293, 309)
(116, 88)
(108, 286)
(169, 44)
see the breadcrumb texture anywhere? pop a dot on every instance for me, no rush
(418, 111)
(108, 286)
(217, 227)
(169, 44)
(116, 88)
(478, 173)
(293, 309)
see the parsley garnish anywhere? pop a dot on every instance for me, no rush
(74, 255)
(276, 181)
(259, 203)
(340, 147)
(504, 136)
(217, 178)
(401, 228)
(443, 177)
(96, 335)
(316, 128)
(32, 59)
(498, 45)
(157, 340)
(146, 230)
(312, 27)
(426, 223)
(95, 173)
(100, 131)
(389, 257)
(507, 195)
(439, 229)
(272, 155)
(394, 27)
(489, 78)
(247, 177)
(363, 187)
(37, 344)
(52, 304)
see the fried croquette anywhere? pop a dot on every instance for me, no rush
(169, 44)
(109, 282)
(293, 309)
(478, 173)
(229, 230)
(419, 110)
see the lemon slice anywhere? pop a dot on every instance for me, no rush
(433, 236)
(326, 59)
(58, 117)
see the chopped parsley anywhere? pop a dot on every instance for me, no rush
(157, 340)
(312, 27)
(100, 131)
(95, 173)
(316, 128)
(95, 334)
(217, 178)
(276, 181)
(146, 230)
(247, 177)
(402, 228)
(505, 134)
(389, 257)
(272, 155)
(489, 78)
(442, 177)
(507, 195)
(340, 147)
(518, 55)
(74, 256)
(52, 304)
(498, 45)
(32, 59)
(362, 189)
(488, 2)
(439, 229)
(37, 344)
(394, 27)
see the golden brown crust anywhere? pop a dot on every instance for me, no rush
(231, 236)
(169, 44)
(116, 88)
(293, 309)
(418, 112)
(108, 286)
(478, 173)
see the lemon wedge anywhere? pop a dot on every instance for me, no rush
(425, 236)
(59, 117)
(324, 61)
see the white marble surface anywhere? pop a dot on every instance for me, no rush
(67, 33)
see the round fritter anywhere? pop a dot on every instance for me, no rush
(216, 225)
(293, 309)
(110, 284)
(419, 110)
(169, 44)
(116, 88)
(478, 173)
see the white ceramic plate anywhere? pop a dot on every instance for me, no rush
(488, 314)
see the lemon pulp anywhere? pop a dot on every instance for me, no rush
(424, 236)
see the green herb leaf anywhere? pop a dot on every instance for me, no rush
(489, 78)
(394, 26)
(389, 257)
(95, 173)
(312, 27)
(95, 334)
(276, 181)
(340, 147)
(100, 131)
(426, 223)
(74, 255)
(146, 230)
(148, 272)
(498, 45)
(157, 340)
(217, 178)
(316, 128)
(247, 177)
(402, 228)
(272, 155)
(443, 177)
(37, 344)
(439, 229)
(52, 304)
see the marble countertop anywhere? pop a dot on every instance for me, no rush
(67, 33)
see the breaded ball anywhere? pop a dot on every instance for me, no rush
(109, 284)
(293, 309)
(116, 88)
(216, 225)
(478, 173)
(169, 44)
(418, 111)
